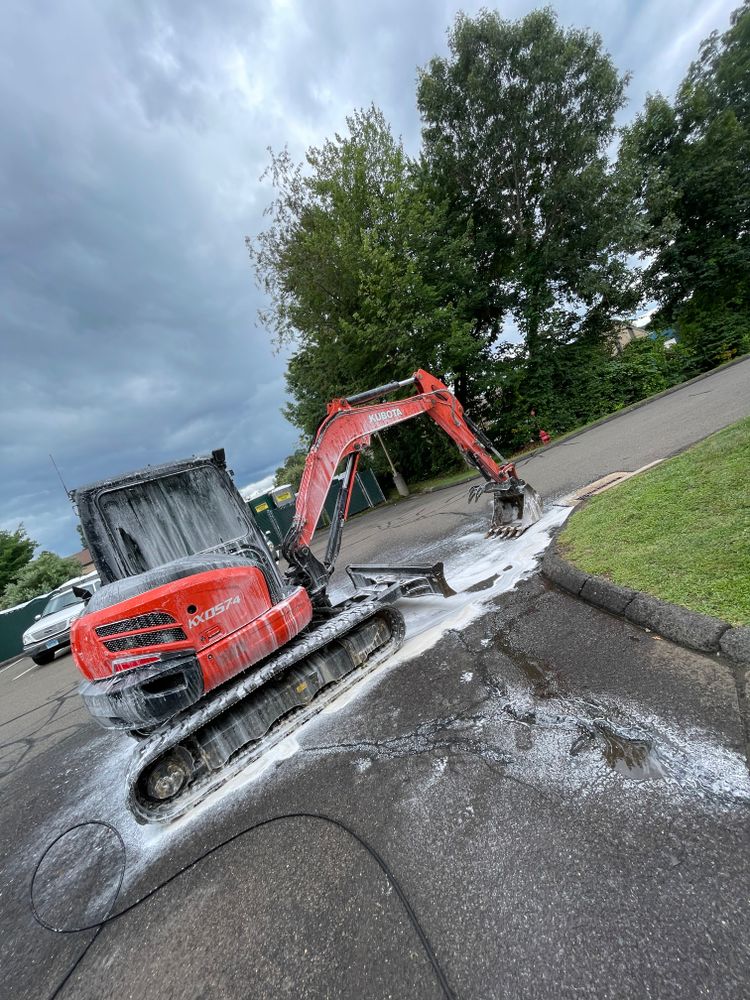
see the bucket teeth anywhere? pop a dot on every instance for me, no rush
(505, 531)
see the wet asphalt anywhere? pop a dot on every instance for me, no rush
(550, 802)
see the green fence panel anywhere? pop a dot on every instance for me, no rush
(359, 500)
(267, 523)
(277, 520)
(284, 517)
(365, 493)
(14, 623)
(330, 505)
(369, 483)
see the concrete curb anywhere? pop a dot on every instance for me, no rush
(687, 628)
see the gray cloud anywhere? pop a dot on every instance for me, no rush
(133, 139)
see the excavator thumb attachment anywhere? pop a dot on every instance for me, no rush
(516, 506)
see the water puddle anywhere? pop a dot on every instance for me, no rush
(628, 752)
(542, 679)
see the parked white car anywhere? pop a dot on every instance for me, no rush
(51, 629)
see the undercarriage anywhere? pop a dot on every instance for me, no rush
(182, 762)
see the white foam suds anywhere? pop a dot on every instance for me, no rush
(471, 559)
(695, 766)
(229, 791)
(100, 777)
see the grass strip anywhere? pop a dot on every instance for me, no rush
(680, 531)
(436, 483)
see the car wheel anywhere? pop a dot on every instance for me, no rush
(47, 656)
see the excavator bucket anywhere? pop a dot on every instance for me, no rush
(512, 515)
(516, 506)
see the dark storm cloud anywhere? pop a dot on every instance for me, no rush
(133, 136)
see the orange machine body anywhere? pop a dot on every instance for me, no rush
(224, 617)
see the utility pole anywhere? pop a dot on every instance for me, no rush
(398, 480)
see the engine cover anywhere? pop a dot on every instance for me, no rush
(224, 616)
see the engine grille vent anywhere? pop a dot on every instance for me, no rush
(143, 640)
(140, 621)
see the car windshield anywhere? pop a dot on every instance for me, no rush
(59, 601)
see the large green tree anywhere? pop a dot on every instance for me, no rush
(16, 550)
(517, 124)
(692, 158)
(364, 279)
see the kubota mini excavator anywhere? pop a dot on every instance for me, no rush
(199, 647)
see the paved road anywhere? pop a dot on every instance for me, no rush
(632, 440)
(561, 797)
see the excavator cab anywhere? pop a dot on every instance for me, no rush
(151, 518)
(190, 593)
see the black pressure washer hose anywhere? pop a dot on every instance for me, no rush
(111, 917)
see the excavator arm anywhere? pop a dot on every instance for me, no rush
(347, 429)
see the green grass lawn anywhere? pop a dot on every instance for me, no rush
(680, 531)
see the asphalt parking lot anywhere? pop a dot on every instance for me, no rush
(559, 800)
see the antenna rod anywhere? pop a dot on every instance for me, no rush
(67, 491)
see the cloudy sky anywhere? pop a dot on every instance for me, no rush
(133, 138)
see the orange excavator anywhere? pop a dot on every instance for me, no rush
(199, 647)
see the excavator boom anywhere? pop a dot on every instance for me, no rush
(347, 429)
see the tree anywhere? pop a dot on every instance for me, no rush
(691, 159)
(722, 71)
(291, 471)
(361, 277)
(16, 550)
(40, 576)
(517, 123)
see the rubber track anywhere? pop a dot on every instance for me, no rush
(155, 746)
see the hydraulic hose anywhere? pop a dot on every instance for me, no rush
(98, 926)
